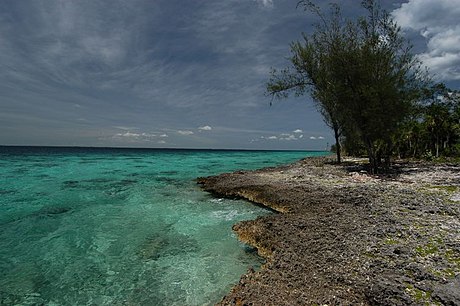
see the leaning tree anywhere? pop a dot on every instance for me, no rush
(310, 70)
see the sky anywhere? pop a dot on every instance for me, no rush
(177, 73)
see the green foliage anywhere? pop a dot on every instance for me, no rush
(420, 296)
(426, 250)
(391, 241)
(353, 146)
(448, 188)
(434, 130)
(311, 70)
(360, 72)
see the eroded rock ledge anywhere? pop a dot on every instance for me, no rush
(343, 237)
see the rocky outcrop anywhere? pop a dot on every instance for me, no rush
(343, 237)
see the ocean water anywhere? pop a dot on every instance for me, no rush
(85, 226)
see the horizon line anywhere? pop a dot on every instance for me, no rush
(146, 148)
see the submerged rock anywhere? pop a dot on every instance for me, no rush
(166, 244)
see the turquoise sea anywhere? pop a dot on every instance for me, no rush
(90, 226)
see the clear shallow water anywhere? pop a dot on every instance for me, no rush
(121, 226)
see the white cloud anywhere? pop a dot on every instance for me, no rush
(265, 3)
(138, 136)
(285, 136)
(281, 137)
(288, 137)
(205, 128)
(437, 21)
(316, 138)
(161, 142)
(186, 133)
(128, 134)
(126, 128)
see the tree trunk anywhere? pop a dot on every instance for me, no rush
(337, 145)
(372, 158)
(446, 143)
(437, 146)
(387, 155)
(387, 162)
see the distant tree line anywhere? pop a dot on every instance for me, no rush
(433, 130)
(370, 89)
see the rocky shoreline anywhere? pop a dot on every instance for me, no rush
(343, 237)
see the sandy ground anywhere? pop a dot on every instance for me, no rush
(343, 237)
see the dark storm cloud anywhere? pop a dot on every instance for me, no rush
(151, 73)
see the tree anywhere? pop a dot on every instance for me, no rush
(441, 120)
(310, 71)
(360, 72)
(433, 130)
